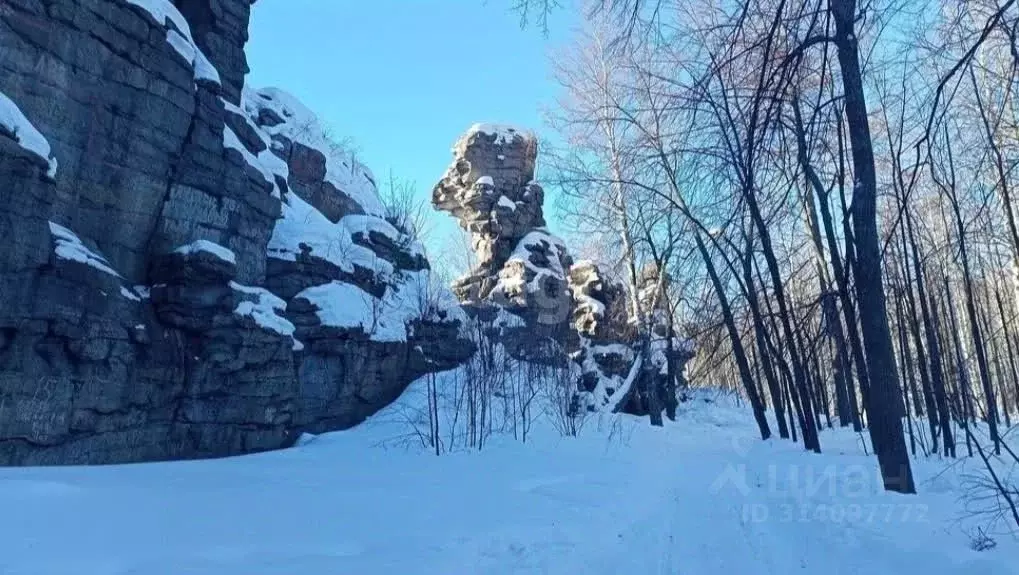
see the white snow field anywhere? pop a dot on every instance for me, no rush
(701, 496)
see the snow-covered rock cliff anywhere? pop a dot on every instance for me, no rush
(191, 268)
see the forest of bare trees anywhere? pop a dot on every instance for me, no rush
(830, 184)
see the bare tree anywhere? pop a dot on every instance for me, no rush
(817, 157)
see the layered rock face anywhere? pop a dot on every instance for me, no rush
(192, 270)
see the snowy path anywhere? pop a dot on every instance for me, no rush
(700, 497)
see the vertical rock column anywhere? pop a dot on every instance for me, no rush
(489, 187)
(220, 28)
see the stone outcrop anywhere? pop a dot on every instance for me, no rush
(191, 269)
(610, 341)
(522, 268)
(531, 291)
(604, 350)
(600, 310)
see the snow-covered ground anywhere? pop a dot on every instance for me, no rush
(701, 496)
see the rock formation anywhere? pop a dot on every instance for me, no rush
(191, 269)
(604, 351)
(522, 268)
(527, 284)
(610, 341)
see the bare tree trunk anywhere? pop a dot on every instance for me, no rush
(787, 387)
(907, 370)
(822, 404)
(761, 338)
(929, 315)
(1013, 374)
(810, 438)
(794, 396)
(979, 350)
(843, 370)
(848, 309)
(883, 395)
(914, 331)
(965, 400)
(1001, 389)
(737, 345)
(671, 401)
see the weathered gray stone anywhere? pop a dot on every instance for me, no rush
(526, 272)
(521, 267)
(130, 351)
(600, 311)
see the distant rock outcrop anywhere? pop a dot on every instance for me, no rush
(601, 320)
(522, 268)
(191, 268)
(527, 285)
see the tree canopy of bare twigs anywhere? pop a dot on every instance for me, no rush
(831, 184)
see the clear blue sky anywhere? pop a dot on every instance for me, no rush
(404, 78)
